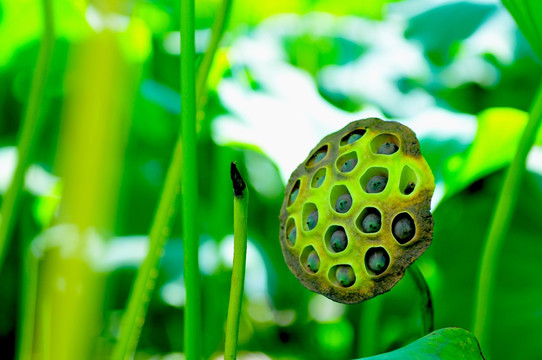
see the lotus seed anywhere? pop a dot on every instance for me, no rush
(292, 236)
(338, 240)
(312, 220)
(320, 181)
(371, 223)
(352, 138)
(319, 156)
(409, 188)
(349, 165)
(344, 203)
(378, 261)
(293, 196)
(313, 261)
(376, 184)
(387, 148)
(404, 230)
(345, 275)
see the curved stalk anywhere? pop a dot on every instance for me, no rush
(426, 304)
(500, 222)
(240, 207)
(31, 128)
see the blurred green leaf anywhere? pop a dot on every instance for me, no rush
(441, 28)
(497, 137)
(526, 13)
(444, 344)
(460, 227)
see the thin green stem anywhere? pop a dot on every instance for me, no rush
(192, 309)
(31, 127)
(28, 308)
(240, 238)
(500, 223)
(219, 26)
(426, 304)
(368, 332)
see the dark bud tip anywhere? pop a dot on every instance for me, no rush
(237, 180)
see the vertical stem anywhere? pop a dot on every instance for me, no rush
(28, 309)
(426, 304)
(368, 332)
(219, 26)
(31, 127)
(240, 206)
(500, 222)
(192, 310)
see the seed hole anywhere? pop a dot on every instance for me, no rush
(310, 260)
(377, 260)
(374, 180)
(318, 178)
(408, 180)
(352, 137)
(294, 193)
(336, 239)
(342, 275)
(370, 220)
(317, 157)
(291, 232)
(310, 216)
(403, 228)
(341, 200)
(385, 144)
(347, 162)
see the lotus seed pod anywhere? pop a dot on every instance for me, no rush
(343, 204)
(371, 223)
(338, 240)
(376, 184)
(313, 261)
(345, 275)
(368, 221)
(387, 148)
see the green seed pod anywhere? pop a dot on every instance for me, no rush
(349, 165)
(345, 275)
(338, 240)
(377, 230)
(313, 261)
(378, 261)
(387, 148)
(344, 203)
(312, 220)
(376, 184)
(371, 223)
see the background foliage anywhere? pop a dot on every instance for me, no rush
(459, 73)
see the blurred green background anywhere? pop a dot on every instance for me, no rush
(459, 73)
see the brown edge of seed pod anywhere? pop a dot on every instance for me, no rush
(410, 251)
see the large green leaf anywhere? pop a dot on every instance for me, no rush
(494, 146)
(448, 343)
(526, 13)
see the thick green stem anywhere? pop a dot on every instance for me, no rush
(500, 223)
(219, 26)
(28, 309)
(31, 127)
(192, 310)
(426, 304)
(240, 207)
